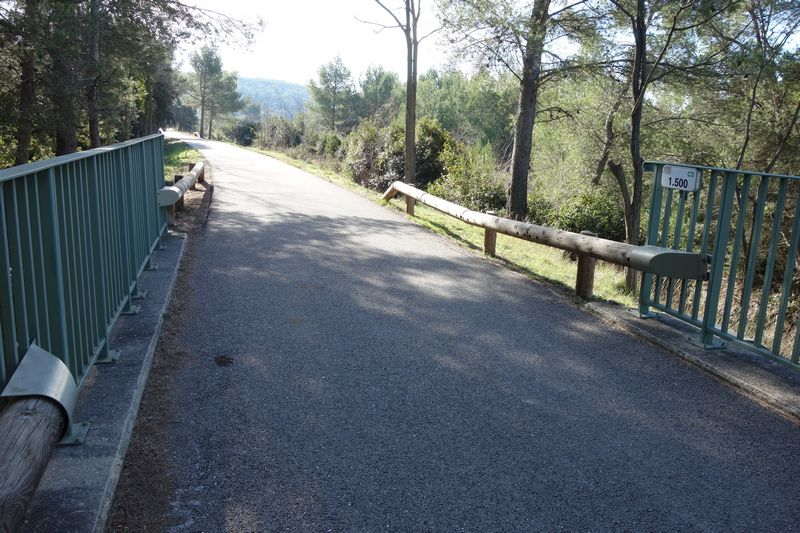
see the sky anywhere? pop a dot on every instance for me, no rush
(298, 36)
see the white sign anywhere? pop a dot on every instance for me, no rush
(681, 178)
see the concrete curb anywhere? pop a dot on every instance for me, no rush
(769, 383)
(77, 489)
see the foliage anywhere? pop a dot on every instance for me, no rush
(475, 109)
(431, 142)
(244, 132)
(379, 97)
(541, 211)
(81, 74)
(469, 178)
(333, 96)
(364, 162)
(329, 145)
(592, 211)
(211, 90)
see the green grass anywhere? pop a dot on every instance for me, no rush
(537, 261)
(177, 155)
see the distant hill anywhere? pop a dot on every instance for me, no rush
(276, 97)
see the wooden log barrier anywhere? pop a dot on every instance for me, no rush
(653, 259)
(31, 428)
(172, 194)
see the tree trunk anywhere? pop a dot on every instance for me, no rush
(92, 113)
(66, 129)
(27, 85)
(608, 143)
(202, 107)
(638, 89)
(210, 124)
(410, 166)
(27, 97)
(526, 116)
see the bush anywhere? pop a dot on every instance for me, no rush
(431, 141)
(363, 160)
(329, 145)
(469, 178)
(541, 211)
(281, 133)
(244, 133)
(593, 212)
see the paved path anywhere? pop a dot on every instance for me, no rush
(385, 379)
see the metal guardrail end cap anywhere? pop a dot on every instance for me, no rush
(42, 374)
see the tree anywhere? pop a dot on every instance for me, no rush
(80, 73)
(514, 35)
(410, 28)
(769, 70)
(377, 93)
(333, 95)
(29, 40)
(222, 98)
(669, 28)
(526, 115)
(207, 67)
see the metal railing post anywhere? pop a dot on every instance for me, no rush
(55, 281)
(718, 261)
(652, 238)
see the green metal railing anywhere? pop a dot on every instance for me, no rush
(75, 233)
(749, 225)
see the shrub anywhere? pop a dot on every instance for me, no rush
(431, 141)
(541, 211)
(244, 133)
(363, 160)
(281, 133)
(329, 145)
(594, 212)
(469, 178)
(393, 155)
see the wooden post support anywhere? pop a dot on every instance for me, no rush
(31, 428)
(584, 282)
(410, 202)
(489, 242)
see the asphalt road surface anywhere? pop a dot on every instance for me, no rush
(343, 369)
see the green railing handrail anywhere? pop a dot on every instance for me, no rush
(738, 217)
(76, 231)
(650, 166)
(38, 166)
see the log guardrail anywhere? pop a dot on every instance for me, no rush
(588, 247)
(171, 196)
